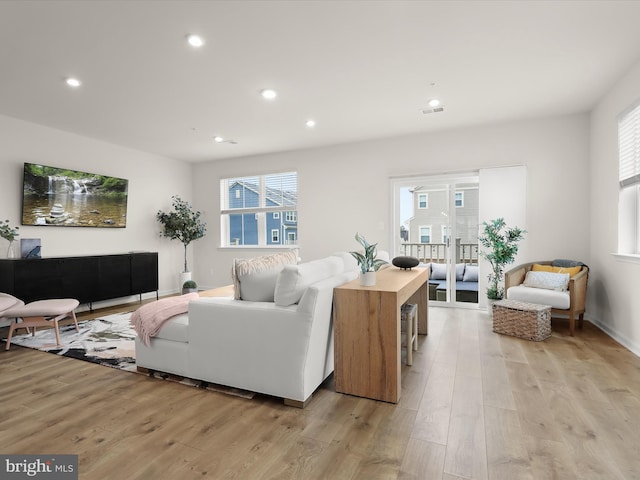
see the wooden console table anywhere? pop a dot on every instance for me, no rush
(367, 331)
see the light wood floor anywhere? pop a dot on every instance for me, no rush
(474, 405)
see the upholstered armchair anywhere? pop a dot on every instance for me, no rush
(569, 302)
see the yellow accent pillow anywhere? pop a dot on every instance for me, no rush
(572, 271)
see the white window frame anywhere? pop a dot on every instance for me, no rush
(426, 201)
(275, 235)
(291, 216)
(425, 227)
(461, 193)
(629, 183)
(288, 206)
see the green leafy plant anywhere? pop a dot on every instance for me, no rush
(189, 284)
(183, 224)
(501, 247)
(7, 232)
(367, 260)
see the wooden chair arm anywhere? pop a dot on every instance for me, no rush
(578, 290)
(514, 277)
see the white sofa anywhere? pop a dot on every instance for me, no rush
(281, 347)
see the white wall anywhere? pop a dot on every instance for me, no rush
(613, 284)
(345, 188)
(152, 181)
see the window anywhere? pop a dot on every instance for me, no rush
(459, 199)
(252, 209)
(291, 217)
(423, 200)
(425, 234)
(629, 181)
(444, 234)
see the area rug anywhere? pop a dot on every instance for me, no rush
(108, 341)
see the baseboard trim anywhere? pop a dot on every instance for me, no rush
(625, 342)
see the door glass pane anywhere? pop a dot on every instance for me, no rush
(465, 246)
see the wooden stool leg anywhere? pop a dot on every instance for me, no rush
(415, 331)
(75, 320)
(11, 329)
(409, 341)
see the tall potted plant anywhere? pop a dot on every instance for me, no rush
(368, 262)
(500, 248)
(182, 224)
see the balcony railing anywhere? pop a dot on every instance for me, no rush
(435, 252)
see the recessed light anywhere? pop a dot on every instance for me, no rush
(310, 123)
(73, 82)
(268, 93)
(218, 139)
(434, 102)
(195, 40)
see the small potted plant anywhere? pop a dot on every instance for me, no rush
(368, 262)
(9, 234)
(501, 246)
(189, 286)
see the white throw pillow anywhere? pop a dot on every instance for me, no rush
(470, 273)
(438, 271)
(254, 279)
(547, 280)
(293, 280)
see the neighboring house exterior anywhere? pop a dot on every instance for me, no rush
(281, 227)
(429, 224)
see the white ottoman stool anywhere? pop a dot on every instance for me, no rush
(41, 314)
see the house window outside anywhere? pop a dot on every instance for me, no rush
(423, 200)
(444, 234)
(291, 217)
(425, 234)
(629, 181)
(459, 199)
(252, 209)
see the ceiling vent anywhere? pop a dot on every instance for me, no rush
(433, 110)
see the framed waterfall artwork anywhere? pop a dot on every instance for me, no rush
(53, 196)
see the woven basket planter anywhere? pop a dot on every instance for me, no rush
(524, 320)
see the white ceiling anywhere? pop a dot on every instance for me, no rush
(361, 69)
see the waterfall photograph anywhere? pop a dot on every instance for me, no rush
(70, 198)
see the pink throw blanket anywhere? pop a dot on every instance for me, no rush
(149, 319)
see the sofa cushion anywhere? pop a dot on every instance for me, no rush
(176, 329)
(438, 271)
(547, 280)
(572, 271)
(293, 280)
(541, 296)
(350, 263)
(460, 271)
(470, 273)
(254, 279)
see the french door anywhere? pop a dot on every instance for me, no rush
(436, 220)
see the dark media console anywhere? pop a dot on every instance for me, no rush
(87, 279)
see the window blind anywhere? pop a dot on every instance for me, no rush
(629, 147)
(275, 192)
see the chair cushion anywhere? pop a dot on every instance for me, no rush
(7, 302)
(460, 267)
(547, 280)
(254, 279)
(541, 296)
(43, 308)
(572, 271)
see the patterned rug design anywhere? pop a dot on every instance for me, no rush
(108, 341)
